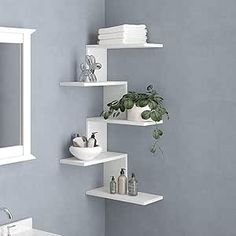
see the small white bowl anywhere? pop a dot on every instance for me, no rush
(85, 154)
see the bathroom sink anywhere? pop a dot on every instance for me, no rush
(33, 232)
(22, 228)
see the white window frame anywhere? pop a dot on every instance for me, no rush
(22, 152)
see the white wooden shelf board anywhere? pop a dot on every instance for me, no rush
(101, 158)
(120, 46)
(142, 198)
(93, 84)
(123, 122)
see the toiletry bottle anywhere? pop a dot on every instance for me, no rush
(133, 186)
(113, 185)
(122, 182)
(92, 142)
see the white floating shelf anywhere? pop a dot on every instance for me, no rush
(101, 158)
(123, 122)
(120, 46)
(93, 84)
(142, 198)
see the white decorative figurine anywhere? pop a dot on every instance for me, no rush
(88, 69)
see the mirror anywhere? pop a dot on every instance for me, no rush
(15, 95)
(10, 95)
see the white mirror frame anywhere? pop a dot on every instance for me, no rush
(22, 152)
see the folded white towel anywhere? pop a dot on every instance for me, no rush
(121, 41)
(121, 28)
(124, 35)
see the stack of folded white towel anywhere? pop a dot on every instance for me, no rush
(123, 34)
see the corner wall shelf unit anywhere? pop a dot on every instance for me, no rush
(112, 161)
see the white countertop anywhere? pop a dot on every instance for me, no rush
(34, 232)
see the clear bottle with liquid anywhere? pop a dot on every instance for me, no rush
(133, 186)
(113, 185)
(122, 182)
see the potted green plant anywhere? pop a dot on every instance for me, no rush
(140, 107)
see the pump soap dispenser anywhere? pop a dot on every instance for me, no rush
(122, 182)
(92, 142)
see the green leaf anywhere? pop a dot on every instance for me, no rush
(117, 114)
(160, 132)
(155, 116)
(113, 103)
(153, 148)
(137, 103)
(150, 87)
(143, 103)
(128, 95)
(158, 98)
(110, 111)
(122, 107)
(116, 106)
(128, 104)
(162, 110)
(105, 115)
(152, 105)
(146, 115)
(155, 134)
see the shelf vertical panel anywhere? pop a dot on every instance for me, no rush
(111, 93)
(101, 136)
(101, 57)
(112, 168)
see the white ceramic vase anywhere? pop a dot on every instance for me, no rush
(134, 114)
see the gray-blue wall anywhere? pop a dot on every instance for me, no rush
(195, 72)
(53, 194)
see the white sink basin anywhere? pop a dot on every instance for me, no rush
(23, 228)
(34, 232)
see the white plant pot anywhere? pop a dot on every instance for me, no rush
(134, 114)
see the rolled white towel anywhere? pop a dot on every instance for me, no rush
(121, 41)
(133, 35)
(121, 28)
